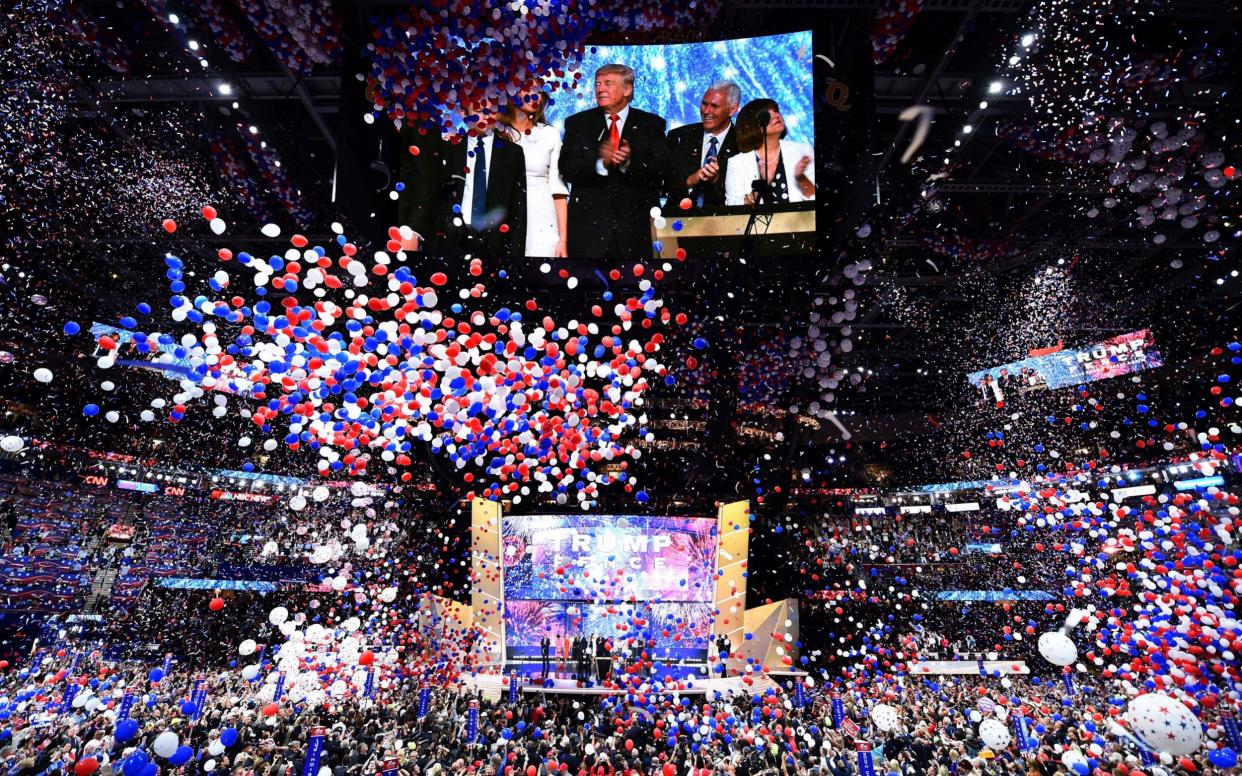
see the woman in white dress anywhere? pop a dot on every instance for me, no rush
(787, 166)
(547, 198)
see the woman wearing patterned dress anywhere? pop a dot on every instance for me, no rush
(547, 198)
(788, 167)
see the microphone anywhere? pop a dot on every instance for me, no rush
(764, 118)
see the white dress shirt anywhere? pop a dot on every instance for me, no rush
(622, 115)
(467, 197)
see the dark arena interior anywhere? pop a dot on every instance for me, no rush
(620, 388)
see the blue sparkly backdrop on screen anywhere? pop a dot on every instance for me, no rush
(669, 80)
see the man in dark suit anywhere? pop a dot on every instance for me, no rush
(615, 159)
(601, 658)
(545, 648)
(700, 152)
(468, 196)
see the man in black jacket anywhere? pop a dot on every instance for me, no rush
(545, 648)
(615, 158)
(467, 196)
(700, 152)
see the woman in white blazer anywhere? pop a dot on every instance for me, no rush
(787, 166)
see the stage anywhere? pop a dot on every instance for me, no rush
(496, 687)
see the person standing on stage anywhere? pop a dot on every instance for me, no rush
(699, 152)
(615, 159)
(601, 657)
(545, 647)
(563, 653)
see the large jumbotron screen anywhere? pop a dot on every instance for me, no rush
(609, 575)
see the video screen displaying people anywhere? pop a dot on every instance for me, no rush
(662, 150)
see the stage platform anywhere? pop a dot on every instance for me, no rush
(495, 686)
(967, 667)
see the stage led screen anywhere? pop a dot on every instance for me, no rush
(1121, 355)
(608, 558)
(669, 79)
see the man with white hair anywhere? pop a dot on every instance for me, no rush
(700, 152)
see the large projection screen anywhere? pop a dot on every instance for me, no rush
(616, 576)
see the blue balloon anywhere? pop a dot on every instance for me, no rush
(156, 674)
(181, 756)
(150, 769)
(189, 709)
(1223, 758)
(90, 410)
(126, 730)
(135, 763)
(72, 328)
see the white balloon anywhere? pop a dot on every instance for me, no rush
(270, 230)
(166, 744)
(250, 672)
(247, 647)
(994, 733)
(209, 766)
(217, 225)
(278, 615)
(43, 375)
(11, 444)
(1057, 648)
(215, 748)
(1164, 724)
(884, 716)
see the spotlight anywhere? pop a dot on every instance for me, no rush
(254, 130)
(174, 19)
(1028, 40)
(193, 45)
(995, 87)
(226, 89)
(967, 129)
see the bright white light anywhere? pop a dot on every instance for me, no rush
(226, 89)
(983, 105)
(193, 45)
(254, 130)
(995, 87)
(967, 129)
(1015, 59)
(1028, 40)
(174, 19)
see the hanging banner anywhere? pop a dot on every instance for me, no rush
(198, 698)
(368, 689)
(800, 692)
(1020, 731)
(1230, 723)
(279, 690)
(513, 688)
(314, 749)
(472, 722)
(838, 710)
(71, 692)
(424, 701)
(1068, 681)
(866, 767)
(122, 712)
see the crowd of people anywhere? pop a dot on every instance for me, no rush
(241, 730)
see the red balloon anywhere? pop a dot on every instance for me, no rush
(86, 766)
(531, 770)
(670, 769)
(629, 745)
(209, 212)
(216, 604)
(366, 658)
(270, 710)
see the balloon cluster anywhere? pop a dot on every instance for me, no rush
(233, 169)
(277, 178)
(455, 55)
(375, 365)
(1174, 173)
(893, 20)
(225, 32)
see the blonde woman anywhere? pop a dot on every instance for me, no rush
(547, 198)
